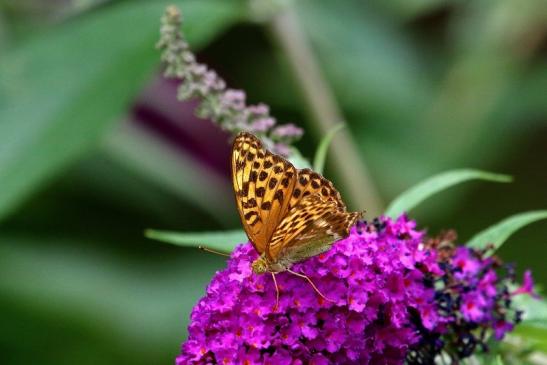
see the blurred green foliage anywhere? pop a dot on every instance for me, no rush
(425, 85)
(496, 235)
(411, 198)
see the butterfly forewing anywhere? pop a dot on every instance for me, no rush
(263, 183)
(309, 182)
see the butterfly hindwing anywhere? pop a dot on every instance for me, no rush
(320, 236)
(263, 183)
(310, 228)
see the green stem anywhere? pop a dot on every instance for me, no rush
(324, 111)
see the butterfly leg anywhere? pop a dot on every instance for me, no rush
(311, 283)
(276, 292)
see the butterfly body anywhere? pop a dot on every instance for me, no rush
(262, 264)
(289, 215)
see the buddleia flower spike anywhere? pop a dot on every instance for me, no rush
(224, 106)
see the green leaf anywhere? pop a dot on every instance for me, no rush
(62, 90)
(533, 335)
(130, 305)
(299, 161)
(321, 153)
(224, 241)
(409, 199)
(534, 310)
(500, 232)
(533, 327)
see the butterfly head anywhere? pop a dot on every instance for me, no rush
(260, 265)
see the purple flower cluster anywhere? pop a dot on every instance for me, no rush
(473, 295)
(475, 287)
(224, 106)
(373, 277)
(395, 294)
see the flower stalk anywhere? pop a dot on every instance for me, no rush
(324, 112)
(224, 106)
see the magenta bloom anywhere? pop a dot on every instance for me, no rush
(396, 296)
(372, 277)
(527, 286)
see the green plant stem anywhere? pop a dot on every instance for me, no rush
(324, 112)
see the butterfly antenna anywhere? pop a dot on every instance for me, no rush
(210, 250)
(276, 292)
(311, 283)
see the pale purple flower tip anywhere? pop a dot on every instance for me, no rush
(259, 110)
(233, 99)
(281, 149)
(227, 107)
(287, 132)
(262, 125)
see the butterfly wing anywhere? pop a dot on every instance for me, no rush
(263, 184)
(310, 228)
(309, 182)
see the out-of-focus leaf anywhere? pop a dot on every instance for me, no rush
(224, 241)
(299, 161)
(138, 307)
(321, 153)
(534, 336)
(497, 234)
(371, 64)
(535, 310)
(533, 327)
(62, 89)
(423, 190)
(409, 9)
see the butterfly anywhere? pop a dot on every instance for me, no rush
(288, 214)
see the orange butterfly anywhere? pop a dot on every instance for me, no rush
(289, 215)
